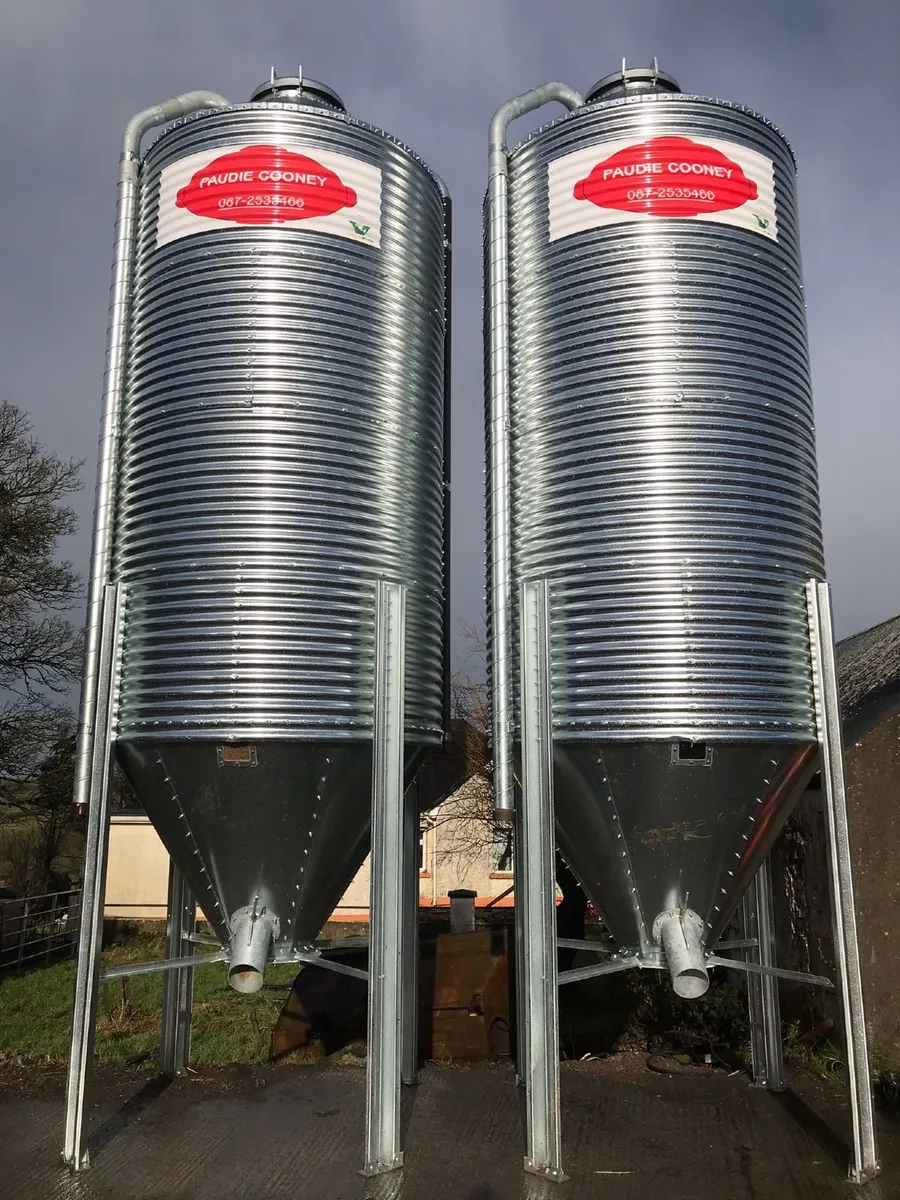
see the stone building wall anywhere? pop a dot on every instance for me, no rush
(802, 903)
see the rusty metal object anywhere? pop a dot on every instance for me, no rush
(323, 1007)
(465, 1008)
(816, 1033)
(464, 1002)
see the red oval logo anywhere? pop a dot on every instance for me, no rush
(667, 177)
(264, 185)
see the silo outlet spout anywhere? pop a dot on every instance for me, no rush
(679, 932)
(252, 932)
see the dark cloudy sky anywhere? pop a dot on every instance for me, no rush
(432, 72)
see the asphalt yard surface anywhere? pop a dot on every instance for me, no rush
(268, 1133)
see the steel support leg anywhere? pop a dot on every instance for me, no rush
(758, 1057)
(846, 944)
(762, 990)
(90, 936)
(178, 984)
(384, 1066)
(519, 945)
(410, 952)
(537, 892)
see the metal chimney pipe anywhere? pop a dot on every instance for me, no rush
(497, 319)
(113, 389)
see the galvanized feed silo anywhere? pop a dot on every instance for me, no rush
(662, 651)
(281, 450)
(663, 482)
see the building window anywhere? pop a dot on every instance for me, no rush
(501, 851)
(423, 866)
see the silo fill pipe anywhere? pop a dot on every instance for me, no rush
(113, 394)
(497, 319)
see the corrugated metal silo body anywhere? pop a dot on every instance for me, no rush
(282, 450)
(664, 482)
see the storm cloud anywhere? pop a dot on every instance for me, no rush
(73, 71)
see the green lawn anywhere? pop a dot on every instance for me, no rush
(35, 1011)
(601, 1015)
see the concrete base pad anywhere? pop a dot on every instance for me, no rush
(628, 1132)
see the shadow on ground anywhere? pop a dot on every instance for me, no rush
(281, 1132)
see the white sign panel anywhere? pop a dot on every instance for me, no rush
(287, 184)
(662, 177)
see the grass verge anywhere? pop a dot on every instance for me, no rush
(35, 1012)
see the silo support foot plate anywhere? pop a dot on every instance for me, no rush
(865, 1176)
(382, 1168)
(554, 1174)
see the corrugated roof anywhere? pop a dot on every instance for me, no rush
(868, 665)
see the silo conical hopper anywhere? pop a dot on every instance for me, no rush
(281, 450)
(663, 482)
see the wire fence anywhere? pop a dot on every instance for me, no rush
(35, 930)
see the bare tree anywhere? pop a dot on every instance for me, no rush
(467, 818)
(42, 830)
(470, 702)
(40, 655)
(21, 849)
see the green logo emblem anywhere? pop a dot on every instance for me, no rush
(762, 222)
(362, 230)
